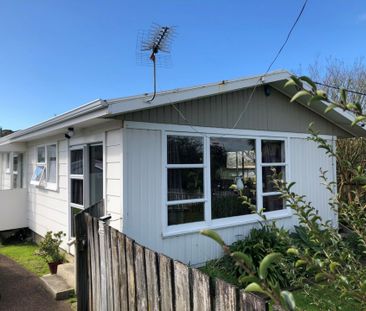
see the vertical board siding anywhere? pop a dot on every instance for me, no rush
(268, 113)
(306, 161)
(131, 277)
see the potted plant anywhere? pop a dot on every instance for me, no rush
(49, 250)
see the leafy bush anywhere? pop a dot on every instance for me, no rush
(49, 248)
(259, 243)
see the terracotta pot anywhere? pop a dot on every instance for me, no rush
(53, 267)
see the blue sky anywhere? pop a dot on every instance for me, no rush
(57, 55)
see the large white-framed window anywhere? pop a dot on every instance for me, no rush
(199, 169)
(46, 170)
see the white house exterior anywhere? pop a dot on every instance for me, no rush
(164, 168)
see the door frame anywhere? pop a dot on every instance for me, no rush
(85, 178)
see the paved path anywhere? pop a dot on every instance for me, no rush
(21, 290)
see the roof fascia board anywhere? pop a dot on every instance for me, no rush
(58, 126)
(87, 111)
(14, 147)
(139, 103)
(322, 105)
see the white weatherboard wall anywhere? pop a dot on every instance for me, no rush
(13, 209)
(143, 204)
(48, 209)
(114, 176)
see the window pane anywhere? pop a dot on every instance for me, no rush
(96, 173)
(41, 154)
(273, 203)
(185, 184)
(267, 177)
(77, 191)
(15, 163)
(38, 173)
(232, 162)
(185, 213)
(185, 150)
(51, 163)
(77, 162)
(273, 151)
(15, 180)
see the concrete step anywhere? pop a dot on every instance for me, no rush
(57, 286)
(67, 272)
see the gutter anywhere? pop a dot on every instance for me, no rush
(93, 106)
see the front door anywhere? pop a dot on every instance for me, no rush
(86, 178)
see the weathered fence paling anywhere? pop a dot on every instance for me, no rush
(115, 273)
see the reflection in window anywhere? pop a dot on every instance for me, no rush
(41, 154)
(185, 149)
(77, 191)
(77, 162)
(232, 162)
(185, 184)
(96, 173)
(185, 213)
(51, 163)
(267, 177)
(273, 151)
(273, 203)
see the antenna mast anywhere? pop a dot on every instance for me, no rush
(159, 40)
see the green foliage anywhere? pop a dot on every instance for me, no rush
(23, 253)
(49, 248)
(255, 277)
(264, 240)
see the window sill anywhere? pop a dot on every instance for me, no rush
(224, 223)
(50, 187)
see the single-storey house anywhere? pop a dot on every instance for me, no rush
(164, 168)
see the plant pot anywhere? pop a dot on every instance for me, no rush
(53, 267)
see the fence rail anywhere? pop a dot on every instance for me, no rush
(116, 273)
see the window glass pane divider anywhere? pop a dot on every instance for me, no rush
(258, 160)
(273, 193)
(185, 165)
(80, 177)
(74, 205)
(178, 202)
(207, 179)
(266, 164)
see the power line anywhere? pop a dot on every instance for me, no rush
(271, 64)
(181, 114)
(339, 88)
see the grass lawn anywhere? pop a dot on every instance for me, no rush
(326, 293)
(23, 253)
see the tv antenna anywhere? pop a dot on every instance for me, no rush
(159, 39)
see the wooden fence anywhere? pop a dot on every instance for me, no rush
(116, 273)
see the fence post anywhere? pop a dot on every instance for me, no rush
(103, 270)
(81, 252)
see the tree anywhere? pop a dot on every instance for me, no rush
(5, 132)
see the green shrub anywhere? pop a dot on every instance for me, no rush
(49, 248)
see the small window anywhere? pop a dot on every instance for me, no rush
(38, 175)
(45, 172)
(273, 161)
